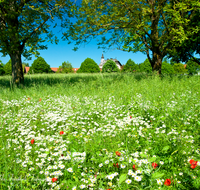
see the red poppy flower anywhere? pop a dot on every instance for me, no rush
(32, 141)
(193, 164)
(61, 132)
(54, 179)
(29, 98)
(154, 165)
(134, 167)
(40, 99)
(116, 165)
(118, 153)
(130, 117)
(167, 182)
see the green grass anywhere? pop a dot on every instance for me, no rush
(146, 119)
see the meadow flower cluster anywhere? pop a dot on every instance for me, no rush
(90, 143)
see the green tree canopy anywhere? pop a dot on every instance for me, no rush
(40, 66)
(66, 67)
(8, 68)
(135, 26)
(179, 68)
(22, 24)
(192, 67)
(130, 66)
(109, 67)
(145, 67)
(89, 66)
(2, 72)
(167, 68)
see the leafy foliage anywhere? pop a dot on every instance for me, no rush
(40, 66)
(66, 67)
(2, 72)
(89, 66)
(8, 68)
(167, 68)
(130, 66)
(110, 66)
(192, 67)
(179, 68)
(145, 66)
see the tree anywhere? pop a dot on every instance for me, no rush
(40, 66)
(25, 64)
(21, 25)
(179, 68)
(8, 68)
(192, 67)
(134, 26)
(130, 66)
(65, 68)
(145, 66)
(89, 66)
(167, 68)
(110, 66)
(186, 39)
(2, 72)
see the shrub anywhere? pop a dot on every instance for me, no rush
(179, 68)
(145, 67)
(110, 66)
(89, 66)
(8, 68)
(2, 72)
(192, 67)
(66, 67)
(130, 66)
(40, 66)
(166, 68)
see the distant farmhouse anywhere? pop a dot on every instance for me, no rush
(103, 61)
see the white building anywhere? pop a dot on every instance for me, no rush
(103, 61)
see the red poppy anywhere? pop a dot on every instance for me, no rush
(32, 141)
(130, 117)
(118, 153)
(193, 164)
(40, 99)
(61, 132)
(154, 165)
(61, 154)
(167, 182)
(116, 165)
(29, 98)
(54, 179)
(134, 167)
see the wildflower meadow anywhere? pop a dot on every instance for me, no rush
(100, 132)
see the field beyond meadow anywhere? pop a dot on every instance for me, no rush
(100, 131)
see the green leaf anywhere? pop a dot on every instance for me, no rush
(122, 178)
(165, 148)
(157, 175)
(152, 159)
(143, 155)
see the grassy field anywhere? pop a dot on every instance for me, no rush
(100, 131)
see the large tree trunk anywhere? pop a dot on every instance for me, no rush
(157, 62)
(17, 70)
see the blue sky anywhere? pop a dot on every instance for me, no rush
(56, 54)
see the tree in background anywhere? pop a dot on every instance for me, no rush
(130, 66)
(192, 67)
(25, 64)
(2, 72)
(65, 68)
(21, 25)
(167, 68)
(8, 68)
(40, 66)
(109, 67)
(179, 68)
(143, 26)
(145, 67)
(88, 66)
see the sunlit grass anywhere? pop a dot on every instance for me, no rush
(120, 131)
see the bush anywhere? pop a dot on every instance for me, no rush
(130, 66)
(166, 68)
(8, 68)
(179, 68)
(110, 66)
(145, 67)
(40, 66)
(192, 67)
(2, 72)
(89, 66)
(66, 67)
